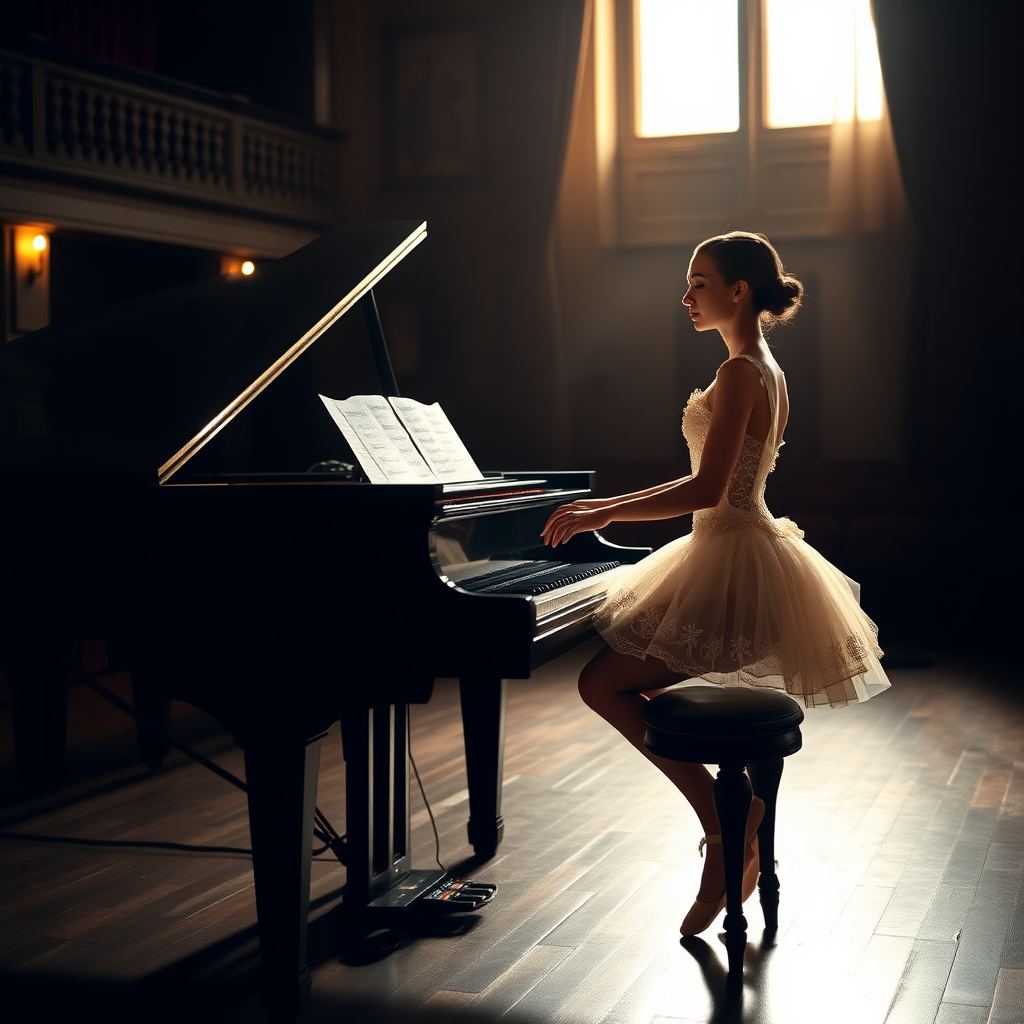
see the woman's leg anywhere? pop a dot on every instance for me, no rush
(617, 686)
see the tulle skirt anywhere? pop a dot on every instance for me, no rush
(757, 607)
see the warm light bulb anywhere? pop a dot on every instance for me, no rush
(39, 243)
(248, 267)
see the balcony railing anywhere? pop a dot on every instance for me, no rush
(90, 129)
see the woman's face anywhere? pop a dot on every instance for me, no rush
(709, 299)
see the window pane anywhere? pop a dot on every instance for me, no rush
(822, 62)
(688, 60)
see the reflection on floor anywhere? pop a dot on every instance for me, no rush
(900, 846)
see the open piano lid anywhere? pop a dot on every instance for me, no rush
(141, 387)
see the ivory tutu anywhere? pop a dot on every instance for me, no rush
(743, 599)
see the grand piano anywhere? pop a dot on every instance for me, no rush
(152, 500)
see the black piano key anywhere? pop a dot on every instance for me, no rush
(548, 579)
(520, 570)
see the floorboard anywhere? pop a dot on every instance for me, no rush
(900, 848)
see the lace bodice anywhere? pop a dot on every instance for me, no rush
(743, 506)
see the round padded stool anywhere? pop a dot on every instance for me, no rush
(737, 728)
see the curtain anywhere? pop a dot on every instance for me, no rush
(545, 39)
(952, 76)
(865, 192)
(121, 31)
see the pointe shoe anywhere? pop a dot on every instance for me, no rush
(702, 913)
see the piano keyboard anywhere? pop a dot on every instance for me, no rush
(552, 585)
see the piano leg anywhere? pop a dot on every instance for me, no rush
(149, 703)
(37, 669)
(483, 727)
(282, 778)
(153, 707)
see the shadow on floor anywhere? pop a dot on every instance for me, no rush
(220, 982)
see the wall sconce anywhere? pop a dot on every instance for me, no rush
(29, 247)
(40, 243)
(237, 266)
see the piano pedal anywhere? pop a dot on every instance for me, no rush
(381, 927)
(457, 895)
(429, 892)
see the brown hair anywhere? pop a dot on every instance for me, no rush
(750, 257)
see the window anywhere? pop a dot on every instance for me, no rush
(725, 113)
(680, 89)
(821, 62)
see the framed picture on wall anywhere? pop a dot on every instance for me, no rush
(432, 105)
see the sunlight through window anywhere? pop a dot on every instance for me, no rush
(869, 70)
(688, 58)
(822, 62)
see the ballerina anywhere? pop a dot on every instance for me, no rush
(742, 599)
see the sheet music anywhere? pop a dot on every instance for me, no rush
(377, 439)
(401, 440)
(440, 445)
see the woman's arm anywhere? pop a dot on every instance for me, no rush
(736, 391)
(593, 503)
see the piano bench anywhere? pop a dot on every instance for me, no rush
(747, 732)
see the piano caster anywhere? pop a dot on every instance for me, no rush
(485, 836)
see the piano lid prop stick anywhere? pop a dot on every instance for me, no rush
(378, 346)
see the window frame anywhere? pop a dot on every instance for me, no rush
(676, 189)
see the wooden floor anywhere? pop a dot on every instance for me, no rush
(900, 846)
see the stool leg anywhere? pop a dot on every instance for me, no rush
(732, 804)
(765, 777)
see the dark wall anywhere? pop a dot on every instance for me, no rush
(89, 272)
(259, 50)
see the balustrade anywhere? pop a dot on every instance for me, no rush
(95, 130)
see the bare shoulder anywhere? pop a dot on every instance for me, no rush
(738, 375)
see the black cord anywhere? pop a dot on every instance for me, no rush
(328, 835)
(322, 829)
(145, 844)
(423, 793)
(31, 837)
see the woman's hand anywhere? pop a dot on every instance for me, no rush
(578, 517)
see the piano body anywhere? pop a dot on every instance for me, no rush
(153, 501)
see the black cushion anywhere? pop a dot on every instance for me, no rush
(722, 724)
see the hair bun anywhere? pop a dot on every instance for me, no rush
(784, 296)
